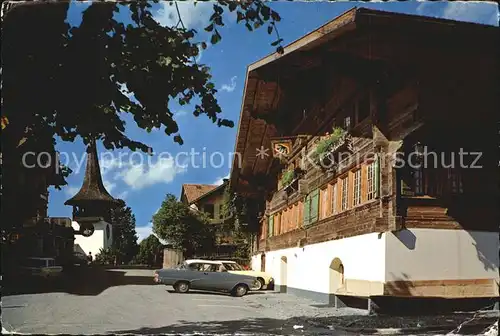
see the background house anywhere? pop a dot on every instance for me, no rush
(210, 200)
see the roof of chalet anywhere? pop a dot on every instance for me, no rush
(344, 34)
(196, 192)
(92, 188)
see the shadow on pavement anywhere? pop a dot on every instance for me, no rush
(320, 326)
(79, 281)
(198, 292)
(260, 326)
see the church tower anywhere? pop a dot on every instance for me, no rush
(92, 204)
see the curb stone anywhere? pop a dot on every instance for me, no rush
(399, 331)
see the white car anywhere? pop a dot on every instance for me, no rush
(41, 267)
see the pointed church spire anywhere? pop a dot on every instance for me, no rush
(92, 190)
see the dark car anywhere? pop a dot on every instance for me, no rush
(205, 275)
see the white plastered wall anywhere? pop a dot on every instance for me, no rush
(435, 254)
(308, 268)
(95, 242)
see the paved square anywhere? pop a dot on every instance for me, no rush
(126, 301)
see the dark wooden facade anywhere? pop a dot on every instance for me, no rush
(402, 80)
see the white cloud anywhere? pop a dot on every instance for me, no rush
(479, 12)
(71, 190)
(123, 195)
(472, 12)
(144, 232)
(142, 175)
(180, 113)
(109, 185)
(229, 87)
(220, 180)
(194, 15)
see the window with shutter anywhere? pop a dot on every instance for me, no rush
(271, 226)
(307, 210)
(357, 187)
(377, 176)
(345, 190)
(324, 203)
(370, 181)
(314, 206)
(300, 214)
(334, 198)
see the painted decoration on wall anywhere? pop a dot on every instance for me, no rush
(282, 148)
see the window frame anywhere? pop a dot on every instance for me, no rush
(418, 180)
(324, 203)
(334, 195)
(344, 198)
(212, 214)
(356, 196)
(370, 181)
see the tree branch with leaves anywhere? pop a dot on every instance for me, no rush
(84, 69)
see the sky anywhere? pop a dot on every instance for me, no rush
(143, 181)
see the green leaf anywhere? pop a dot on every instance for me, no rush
(209, 28)
(240, 17)
(251, 14)
(275, 16)
(203, 45)
(226, 123)
(210, 86)
(215, 37)
(265, 11)
(249, 27)
(232, 6)
(178, 139)
(269, 29)
(275, 43)
(280, 50)
(218, 9)
(218, 21)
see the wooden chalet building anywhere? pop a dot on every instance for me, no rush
(380, 103)
(209, 199)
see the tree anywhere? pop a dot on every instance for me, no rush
(184, 228)
(149, 251)
(124, 243)
(75, 77)
(124, 246)
(106, 256)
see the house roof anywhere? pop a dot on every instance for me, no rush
(208, 189)
(92, 188)
(195, 191)
(352, 36)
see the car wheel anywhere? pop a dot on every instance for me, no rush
(260, 283)
(240, 290)
(181, 287)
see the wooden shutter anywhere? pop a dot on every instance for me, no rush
(314, 206)
(364, 182)
(307, 210)
(300, 214)
(270, 230)
(376, 172)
